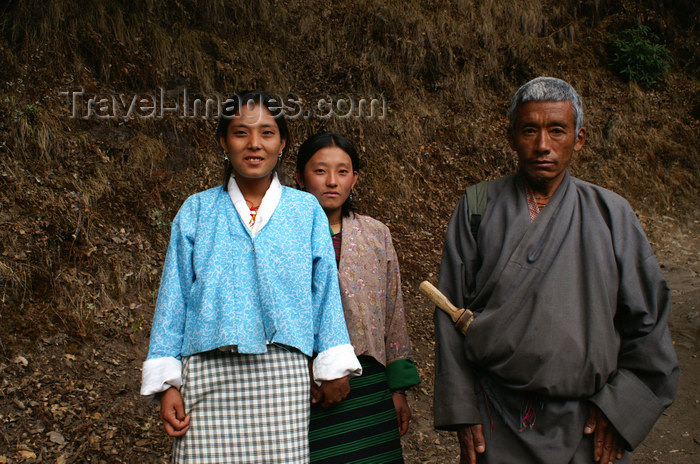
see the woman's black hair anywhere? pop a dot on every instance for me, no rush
(231, 108)
(324, 140)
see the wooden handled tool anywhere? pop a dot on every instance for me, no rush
(461, 317)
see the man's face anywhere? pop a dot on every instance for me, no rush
(545, 138)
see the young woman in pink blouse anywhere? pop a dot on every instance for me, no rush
(364, 425)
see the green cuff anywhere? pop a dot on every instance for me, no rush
(402, 374)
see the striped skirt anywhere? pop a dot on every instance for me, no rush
(245, 408)
(361, 429)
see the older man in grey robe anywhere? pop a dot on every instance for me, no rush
(569, 358)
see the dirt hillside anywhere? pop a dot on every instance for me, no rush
(101, 141)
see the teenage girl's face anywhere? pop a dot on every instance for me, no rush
(328, 175)
(253, 142)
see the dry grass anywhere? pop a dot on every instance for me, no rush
(94, 198)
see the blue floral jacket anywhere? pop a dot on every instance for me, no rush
(223, 287)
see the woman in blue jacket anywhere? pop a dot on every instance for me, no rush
(249, 291)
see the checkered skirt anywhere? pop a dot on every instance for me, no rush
(245, 408)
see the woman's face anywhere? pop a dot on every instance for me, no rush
(253, 142)
(328, 175)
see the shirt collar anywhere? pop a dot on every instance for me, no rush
(267, 206)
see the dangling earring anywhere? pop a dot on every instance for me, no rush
(225, 156)
(279, 157)
(350, 197)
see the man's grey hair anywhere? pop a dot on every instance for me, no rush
(547, 89)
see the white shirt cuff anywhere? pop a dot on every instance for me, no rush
(336, 362)
(159, 374)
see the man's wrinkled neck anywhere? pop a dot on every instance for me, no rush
(543, 188)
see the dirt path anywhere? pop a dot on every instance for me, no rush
(676, 437)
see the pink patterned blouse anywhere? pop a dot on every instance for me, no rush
(370, 287)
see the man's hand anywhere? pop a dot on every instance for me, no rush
(607, 443)
(172, 413)
(471, 441)
(403, 412)
(331, 392)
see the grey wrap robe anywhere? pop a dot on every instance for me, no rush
(571, 309)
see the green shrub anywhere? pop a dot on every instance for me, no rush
(639, 57)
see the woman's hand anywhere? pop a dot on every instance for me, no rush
(332, 392)
(403, 412)
(172, 413)
(316, 395)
